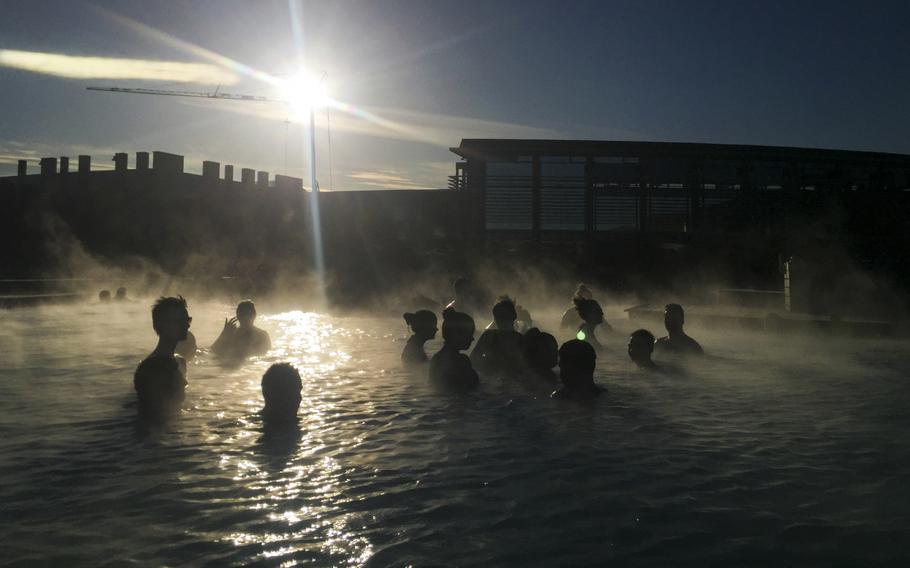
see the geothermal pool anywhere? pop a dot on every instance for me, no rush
(772, 452)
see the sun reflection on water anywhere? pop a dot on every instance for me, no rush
(301, 486)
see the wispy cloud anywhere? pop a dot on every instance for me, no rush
(91, 67)
(384, 179)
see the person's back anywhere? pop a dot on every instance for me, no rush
(500, 349)
(160, 384)
(449, 368)
(541, 354)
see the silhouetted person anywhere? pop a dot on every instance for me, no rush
(677, 341)
(160, 379)
(540, 353)
(524, 321)
(451, 368)
(240, 338)
(571, 319)
(577, 360)
(281, 388)
(187, 347)
(591, 315)
(641, 346)
(500, 348)
(423, 326)
(120, 295)
(104, 296)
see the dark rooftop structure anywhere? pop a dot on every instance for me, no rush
(559, 188)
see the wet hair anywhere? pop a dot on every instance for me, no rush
(583, 292)
(104, 295)
(281, 381)
(246, 307)
(540, 349)
(163, 305)
(576, 356)
(419, 317)
(642, 334)
(454, 322)
(505, 309)
(585, 306)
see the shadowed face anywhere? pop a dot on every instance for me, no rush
(175, 324)
(640, 348)
(425, 327)
(246, 315)
(673, 320)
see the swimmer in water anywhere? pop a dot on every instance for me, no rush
(570, 319)
(240, 338)
(424, 327)
(677, 341)
(160, 379)
(591, 315)
(641, 346)
(540, 353)
(450, 367)
(120, 295)
(104, 296)
(281, 388)
(500, 348)
(577, 360)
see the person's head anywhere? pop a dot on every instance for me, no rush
(457, 329)
(246, 313)
(504, 313)
(120, 294)
(170, 318)
(281, 388)
(422, 323)
(540, 350)
(104, 296)
(577, 360)
(583, 292)
(641, 345)
(589, 310)
(674, 317)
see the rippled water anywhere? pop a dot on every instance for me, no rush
(772, 452)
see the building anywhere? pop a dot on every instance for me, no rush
(568, 189)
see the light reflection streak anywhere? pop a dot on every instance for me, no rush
(303, 492)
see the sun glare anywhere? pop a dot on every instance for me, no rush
(302, 91)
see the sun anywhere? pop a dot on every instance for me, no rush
(303, 91)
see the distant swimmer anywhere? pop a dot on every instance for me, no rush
(577, 361)
(281, 388)
(677, 341)
(540, 353)
(187, 347)
(451, 368)
(641, 346)
(423, 325)
(120, 295)
(571, 319)
(240, 338)
(104, 296)
(500, 349)
(591, 315)
(160, 379)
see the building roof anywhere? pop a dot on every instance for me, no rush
(486, 147)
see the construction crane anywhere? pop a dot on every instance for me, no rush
(245, 98)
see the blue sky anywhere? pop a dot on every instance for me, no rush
(416, 77)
